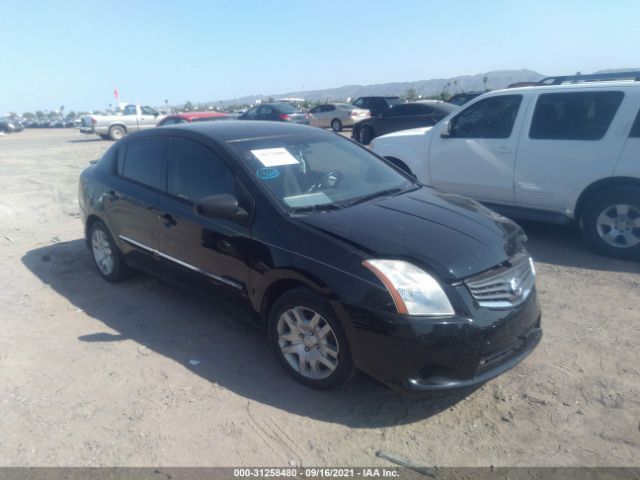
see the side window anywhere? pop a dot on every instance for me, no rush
(143, 161)
(574, 115)
(148, 111)
(635, 130)
(252, 112)
(330, 108)
(315, 110)
(195, 172)
(264, 110)
(492, 117)
(360, 103)
(129, 110)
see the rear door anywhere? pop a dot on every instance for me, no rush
(131, 205)
(571, 140)
(477, 157)
(205, 253)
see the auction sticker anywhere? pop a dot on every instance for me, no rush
(274, 157)
(267, 173)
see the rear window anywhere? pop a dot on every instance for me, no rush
(574, 115)
(143, 162)
(285, 108)
(635, 130)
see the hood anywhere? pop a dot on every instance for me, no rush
(452, 236)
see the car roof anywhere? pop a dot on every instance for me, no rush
(230, 130)
(572, 86)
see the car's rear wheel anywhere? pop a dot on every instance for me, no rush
(309, 340)
(336, 125)
(611, 222)
(365, 135)
(116, 132)
(106, 255)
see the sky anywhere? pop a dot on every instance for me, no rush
(75, 53)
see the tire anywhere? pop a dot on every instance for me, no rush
(105, 137)
(116, 132)
(365, 135)
(610, 222)
(318, 361)
(336, 125)
(113, 269)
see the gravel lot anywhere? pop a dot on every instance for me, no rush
(97, 374)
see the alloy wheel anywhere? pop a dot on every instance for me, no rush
(307, 342)
(619, 225)
(102, 252)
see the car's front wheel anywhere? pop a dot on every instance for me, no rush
(309, 341)
(336, 125)
(106, 255)
(611, 222)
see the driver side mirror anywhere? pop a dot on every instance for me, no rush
(446, 130)
(222, 205)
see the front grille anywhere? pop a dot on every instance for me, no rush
(504, 287)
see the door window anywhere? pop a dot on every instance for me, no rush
(492, 117)
(143, 161)
(574, 115)
(148, 111)
(195, 172)
(635, 130)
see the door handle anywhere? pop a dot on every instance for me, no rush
(167, 219)
(504, 149)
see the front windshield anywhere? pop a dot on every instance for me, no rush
(316, 171)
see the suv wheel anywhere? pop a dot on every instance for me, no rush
(336, 125)
(116, 132)
(106, 254)
(611, 222)
(365, 135)
(309, 341)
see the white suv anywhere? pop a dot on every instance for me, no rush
(551, 154)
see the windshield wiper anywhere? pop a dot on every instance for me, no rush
(381, 193)
(316, 208)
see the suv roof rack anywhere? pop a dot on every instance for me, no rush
(592, 77)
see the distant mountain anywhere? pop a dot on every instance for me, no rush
(427, 88)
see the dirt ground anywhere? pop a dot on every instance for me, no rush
(94, 374)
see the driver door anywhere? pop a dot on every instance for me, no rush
(473, 154)
(147, 118)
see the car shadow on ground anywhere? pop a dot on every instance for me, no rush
(563, 245)
(231, 351)
(85, 140)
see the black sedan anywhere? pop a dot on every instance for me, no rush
(279, 112)
(402, 117)
(346, 261)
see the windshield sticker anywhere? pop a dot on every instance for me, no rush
(267, 173)
(274, 157)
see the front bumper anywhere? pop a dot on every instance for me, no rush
(427, 354)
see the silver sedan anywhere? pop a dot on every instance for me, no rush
(336, 116)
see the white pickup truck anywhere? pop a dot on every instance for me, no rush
(113, 127)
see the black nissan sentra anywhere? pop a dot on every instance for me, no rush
(347, 261)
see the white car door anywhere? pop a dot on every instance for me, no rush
(147, 117)
(573, 139)
(474, 152)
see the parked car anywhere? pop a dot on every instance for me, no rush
(279, 112)
(402, 117)
(336, 116)
(460, 99)
(8, 125)
(551, 153)
(346, 261)
(114, 127)
(376, 105)
(189, 117)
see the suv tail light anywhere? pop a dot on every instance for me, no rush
(93, 121)
(285, 117)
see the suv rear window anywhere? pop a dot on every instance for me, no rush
(574, 115)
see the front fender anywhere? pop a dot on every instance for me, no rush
(407, 155)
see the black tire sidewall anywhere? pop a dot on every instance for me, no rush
(120, 270)
(595, 206)
(339, 123)
(365, 135)
(307, 298)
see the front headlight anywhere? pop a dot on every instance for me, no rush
(413, 290)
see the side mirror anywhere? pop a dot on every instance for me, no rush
(222, 205)
(446, 130)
